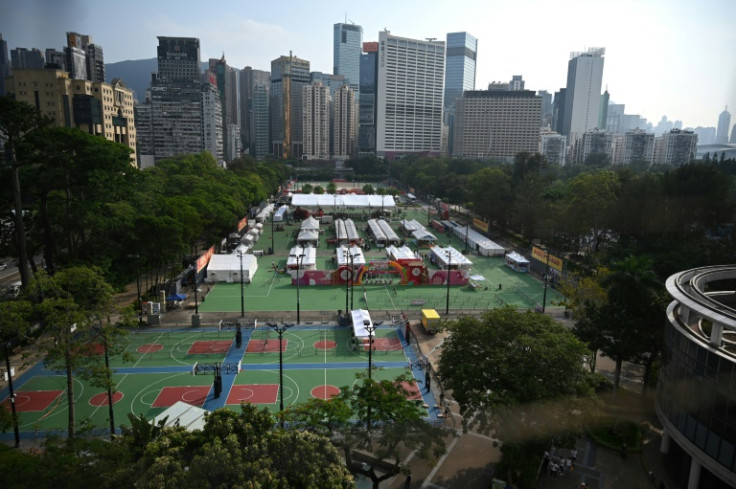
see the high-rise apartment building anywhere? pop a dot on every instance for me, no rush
(553, 146)
(185, 111)
(289, 75)
(583, 91)
(227, 80)
(675, 148)
(316, 121)
(410, 90)
(75, 52)
(26, 59)
(638, 146)
(496, 124)
(461, 53)
(97, 108)
(344, 123)
(250, 81)
(4, 64)
(367, 100)
(724, 123)
(55, 59)
(593, 142)
(347, 43)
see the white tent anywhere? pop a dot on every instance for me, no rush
(361, 319)
(310, 224)
(401, 253)
(226, 268)
(455, 260)
(423, 236)
(309, 262)
(355, 252)
(308, 237)
(280, 213)
(391, 236)
(351, 201)
(517, 262)
(409, 227)
(182, 414)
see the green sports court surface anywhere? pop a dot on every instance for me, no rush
(159, 371)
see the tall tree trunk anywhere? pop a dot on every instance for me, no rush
(617, 373)
(20, 228)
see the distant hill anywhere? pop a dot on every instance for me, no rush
(136, 74)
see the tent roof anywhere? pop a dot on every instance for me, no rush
(348, 200)
(183, 414)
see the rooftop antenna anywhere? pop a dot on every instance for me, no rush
(430, 39)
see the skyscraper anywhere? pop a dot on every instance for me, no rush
(289, 75)
(638, 146)
(410, 85)
(178, 60)
(367, 99)
(22, 59)
(76, 56)
(226, 81)
(4, 64)
(462, 49)
(344, 123)
(675, 147)
(250, 81)
(347, 42)
(316, 121)
(582, 97)
(724, 123)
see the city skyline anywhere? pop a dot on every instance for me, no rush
(654, 50)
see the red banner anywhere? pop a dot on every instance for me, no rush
(204, 259)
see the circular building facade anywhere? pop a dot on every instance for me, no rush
(696, 396)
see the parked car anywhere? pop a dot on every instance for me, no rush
(3, 266)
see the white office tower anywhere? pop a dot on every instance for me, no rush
(724, 122)
(410, 88)
(583, 94)
(347, 44)
(316, 121)
(553, 146)
(345, 124)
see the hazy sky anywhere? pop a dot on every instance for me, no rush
(673, 57)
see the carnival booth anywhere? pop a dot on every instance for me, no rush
(517, 262)
(308, 260)
(310, 224)
(401, 254)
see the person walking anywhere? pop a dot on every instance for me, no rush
(427, 380)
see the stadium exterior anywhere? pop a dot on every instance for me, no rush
(696, 399)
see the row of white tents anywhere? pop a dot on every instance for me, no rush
(382, 233)
(346, 231)
(418, 231)
(475, 240)
(343, 201)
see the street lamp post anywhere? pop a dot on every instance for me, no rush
(242, 298)
(449, 261)
(370, 327)
(273, 248)
(299, 260)
(138, 286)
(280, 331)
(546, 274)
(196, 299)
(352, 280)
(12, 397)
(346, 254)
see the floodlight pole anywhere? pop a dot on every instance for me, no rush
(12, 397)
(196, 299)
(299, 260)
(242, 298)
(273, 249)
(370, 327)
(347, 279)
(449, 261)
(352, 280)
(546, 274)
(280, 331)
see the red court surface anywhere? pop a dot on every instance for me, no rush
(150, 348)
(253, 394)
(325, 345)
(266, 346)
(384, 344)
(32, 401)
(101, 399)
(193, 394)
(412, 388)
(209, 347)
(325, 392)
(90, 349)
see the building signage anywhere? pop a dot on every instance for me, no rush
(204, 259)
(544, 257)
(480, 224)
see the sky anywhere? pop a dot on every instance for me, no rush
(675, 58)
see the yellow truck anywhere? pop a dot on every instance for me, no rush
(430, 320)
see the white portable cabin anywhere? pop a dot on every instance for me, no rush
(455, 260)
(517, 262)
(308, 262)
(379, 237)
(226, 268)
(264, 213)
(475, 240)
(391, 236)
(344, 259)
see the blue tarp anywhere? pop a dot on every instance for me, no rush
(176, 297)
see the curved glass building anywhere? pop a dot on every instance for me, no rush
(696, 399)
